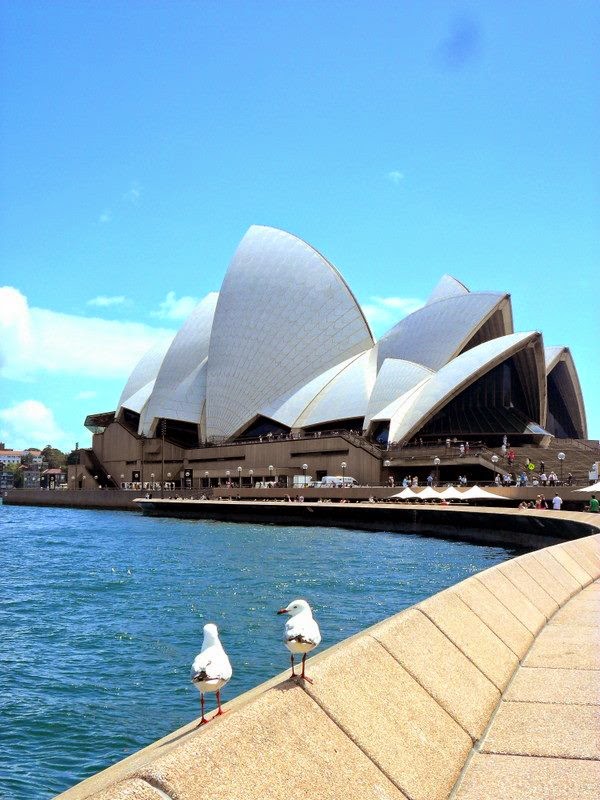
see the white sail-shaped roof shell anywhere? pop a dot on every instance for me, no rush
(138, 400)
(559, 361)
(185, 403)
(439, 331)
(289, 407)
(447, 287)
(421, 405)
(344, 397)
(552, 355)
(143, 375)
(180, 388)
(394, 379)
(284, 316)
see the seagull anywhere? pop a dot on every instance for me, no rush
(301, 634)
(211, 669)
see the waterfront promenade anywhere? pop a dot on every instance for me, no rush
(488, 690)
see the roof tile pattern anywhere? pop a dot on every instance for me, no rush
(180, 382)
(284, 316)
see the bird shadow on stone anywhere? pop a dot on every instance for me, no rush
(289, 683)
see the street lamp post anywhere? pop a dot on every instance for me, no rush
(271, 468)
(251, 473)
(343, 466)
(228, 480)
(494, 462)
(151, 481)
(108, 481)
(561, 457)
(83, 481)
(239, 469)
(436, 463)
(304, 468)
(169, 479)
(122, 481)
(386, 464)
(206, 475)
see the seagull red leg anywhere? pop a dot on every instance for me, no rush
(293, 675)
(203, 720)
(220, 711)
(302, 675)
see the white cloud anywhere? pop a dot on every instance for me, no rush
(384, 312)
(103, 300)
(36, 340)
(133, 194)
(31, 424)
(105, 216)
(395, 176)
(177, 308)
(86, 394)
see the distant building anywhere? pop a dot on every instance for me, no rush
(52, 478)
(8, 456)
(6, 480)
(31, 476)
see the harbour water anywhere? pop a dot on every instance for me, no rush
(101, 614)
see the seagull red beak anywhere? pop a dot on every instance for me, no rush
(282, 611)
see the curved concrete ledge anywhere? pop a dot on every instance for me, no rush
(488, 689)
(511, 527)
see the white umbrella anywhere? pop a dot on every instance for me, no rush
(477, 493)
(595, 487)
(450, 493)
(428, 494)
(406, 494)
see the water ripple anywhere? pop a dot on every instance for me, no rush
(101, 614)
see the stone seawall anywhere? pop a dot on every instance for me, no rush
(503, 526)
(507, 527)
(488, 689)
(108, 500)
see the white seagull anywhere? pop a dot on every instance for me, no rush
(301, 634)
(211, 669)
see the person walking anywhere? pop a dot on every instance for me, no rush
(556, 502)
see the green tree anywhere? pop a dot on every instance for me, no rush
(26, 458)
(55, 458)
(73, 457)
(17, 473)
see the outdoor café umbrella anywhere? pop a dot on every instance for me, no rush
(451, 493)
(428, 494)
(477, 493)
(595, 487)
(406, 494)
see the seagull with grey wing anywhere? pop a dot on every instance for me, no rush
(211, 669)
(301, 633)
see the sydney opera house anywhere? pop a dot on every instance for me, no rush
(280, 373)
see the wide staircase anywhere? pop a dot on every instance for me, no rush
(579, 457)
(96, 470)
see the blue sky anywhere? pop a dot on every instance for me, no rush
(138, 141)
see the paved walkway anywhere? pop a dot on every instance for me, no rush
(544, 739)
